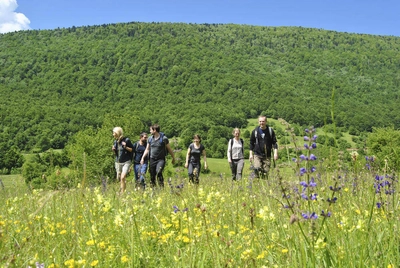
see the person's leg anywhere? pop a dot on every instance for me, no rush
(197, 168)
(233, 166)
(239, 169)
(136, 169)
(125, 169)
(266, 166)
(153, 172)
(257, 162)
(190, 172)
(118, 170)
(160, 169)
(143, 169)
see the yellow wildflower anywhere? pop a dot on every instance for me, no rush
(94, 263)
(70, 263)
(124, 259)
(90, 242)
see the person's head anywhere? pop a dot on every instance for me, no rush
(196, 138)
(143, 137)
(262, 121)
(118, 133)
(236, 132)
(155, 128)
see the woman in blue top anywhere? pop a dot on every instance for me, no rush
(195, 150)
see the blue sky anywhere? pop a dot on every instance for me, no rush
(353, 16)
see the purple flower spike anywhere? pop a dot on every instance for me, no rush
(302, 171)
(378, 205)
(333, 200)
(306, 130)
(313, 157)
(323, 214)
(307, 216)
(314, 145)
(313, 169)
(176, 209)
(314, 137)
(306, 138)
(312, 182)
(303, 157)
(306, 146)
(304, 184)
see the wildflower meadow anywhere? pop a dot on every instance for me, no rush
(303, 215)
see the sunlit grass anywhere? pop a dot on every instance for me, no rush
(218, 224)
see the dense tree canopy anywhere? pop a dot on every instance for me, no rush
(192, 78)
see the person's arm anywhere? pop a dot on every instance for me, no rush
(228, 154)
(127, 145)
(187, 157)
(171, 152)
(275, 145)
(252, 141)
(146, 152)
(205, 159)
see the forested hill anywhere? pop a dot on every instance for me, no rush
(192, 78)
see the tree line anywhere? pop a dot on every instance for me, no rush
(203, 78)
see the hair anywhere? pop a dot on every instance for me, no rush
(143, 134)
(261, 115)
(236, 128)
(120, 133)
(156, 127)
(197, 136)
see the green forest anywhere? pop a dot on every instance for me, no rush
(191, 78)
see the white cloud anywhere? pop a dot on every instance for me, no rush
(10, 20)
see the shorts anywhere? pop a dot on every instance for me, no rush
(123, 168)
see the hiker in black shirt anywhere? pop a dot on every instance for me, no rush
(262, 142)
(194, 153)
(157, 147)
(140, 170)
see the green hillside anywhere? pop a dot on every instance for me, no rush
(192, 78)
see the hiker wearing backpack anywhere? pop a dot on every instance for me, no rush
(194, 153)
(157, 148)
(236, 155)
(122, 149)
(140, 170)
(262, 142)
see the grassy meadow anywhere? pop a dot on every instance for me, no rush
(303, 218)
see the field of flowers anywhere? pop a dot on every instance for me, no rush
(313, 218)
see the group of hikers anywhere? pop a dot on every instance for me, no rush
(150, 152)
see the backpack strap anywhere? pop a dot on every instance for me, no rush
(231, 147)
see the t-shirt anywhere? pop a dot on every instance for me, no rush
(157, 148)
(138, 153)
(195, 153)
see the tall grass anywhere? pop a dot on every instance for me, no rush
(220, 223)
